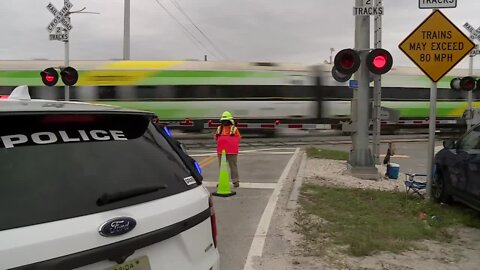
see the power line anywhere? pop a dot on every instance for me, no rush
(177, 5)
(186, 29)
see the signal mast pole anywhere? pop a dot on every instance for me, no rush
(126, 31)
(361, 159)
(67, 57)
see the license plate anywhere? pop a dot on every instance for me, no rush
(141, 263)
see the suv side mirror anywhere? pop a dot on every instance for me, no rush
(449, 144)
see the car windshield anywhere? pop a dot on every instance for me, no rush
(77, 159)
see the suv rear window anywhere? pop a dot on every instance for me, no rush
(58, 166)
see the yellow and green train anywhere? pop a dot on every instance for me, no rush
(253, 92)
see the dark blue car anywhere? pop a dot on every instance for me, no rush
(457, 174)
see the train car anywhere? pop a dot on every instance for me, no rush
(253, 92)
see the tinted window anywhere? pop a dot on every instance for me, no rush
(55, 167)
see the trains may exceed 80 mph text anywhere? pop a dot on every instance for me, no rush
(436, 46)
(434, 43)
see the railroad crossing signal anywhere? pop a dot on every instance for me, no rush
(347, 62)
(466, 83)
(50, 76)
(436, 45)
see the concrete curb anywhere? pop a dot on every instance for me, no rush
(295, 192)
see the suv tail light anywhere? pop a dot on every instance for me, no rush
(213, 220)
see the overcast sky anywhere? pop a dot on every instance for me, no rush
(300, 31)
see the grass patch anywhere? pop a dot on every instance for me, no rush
(313, 152)
(368, 221)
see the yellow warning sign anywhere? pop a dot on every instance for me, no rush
(436, 45)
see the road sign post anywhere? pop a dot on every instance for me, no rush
(377, 89)
(435, 46)
(61, 33)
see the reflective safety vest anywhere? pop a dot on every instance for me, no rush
(233, 130)
(228, 139)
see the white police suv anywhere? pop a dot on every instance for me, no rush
(97, 187)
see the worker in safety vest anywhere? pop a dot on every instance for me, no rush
(228, 137)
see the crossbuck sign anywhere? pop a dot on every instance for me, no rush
(474, 34)
(60, 17)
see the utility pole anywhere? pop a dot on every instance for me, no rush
(126, 31)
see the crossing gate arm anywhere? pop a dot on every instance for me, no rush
(275, 125)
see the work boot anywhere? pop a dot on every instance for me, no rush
(237, 184)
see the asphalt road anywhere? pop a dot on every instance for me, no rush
(240, 216)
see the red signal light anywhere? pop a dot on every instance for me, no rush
(69, 76)
(379, 61)
(468, 83)
(49, 76)
(347, 61)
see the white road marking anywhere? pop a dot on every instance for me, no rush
(203, 155)
(267, 153)
(256, 249)
(245, 185)
(267, 149)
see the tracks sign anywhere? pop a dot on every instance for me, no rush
(436, 46)
(430, 4)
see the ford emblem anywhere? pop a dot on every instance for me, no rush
(117, 226)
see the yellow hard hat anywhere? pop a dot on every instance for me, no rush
(226, 116)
